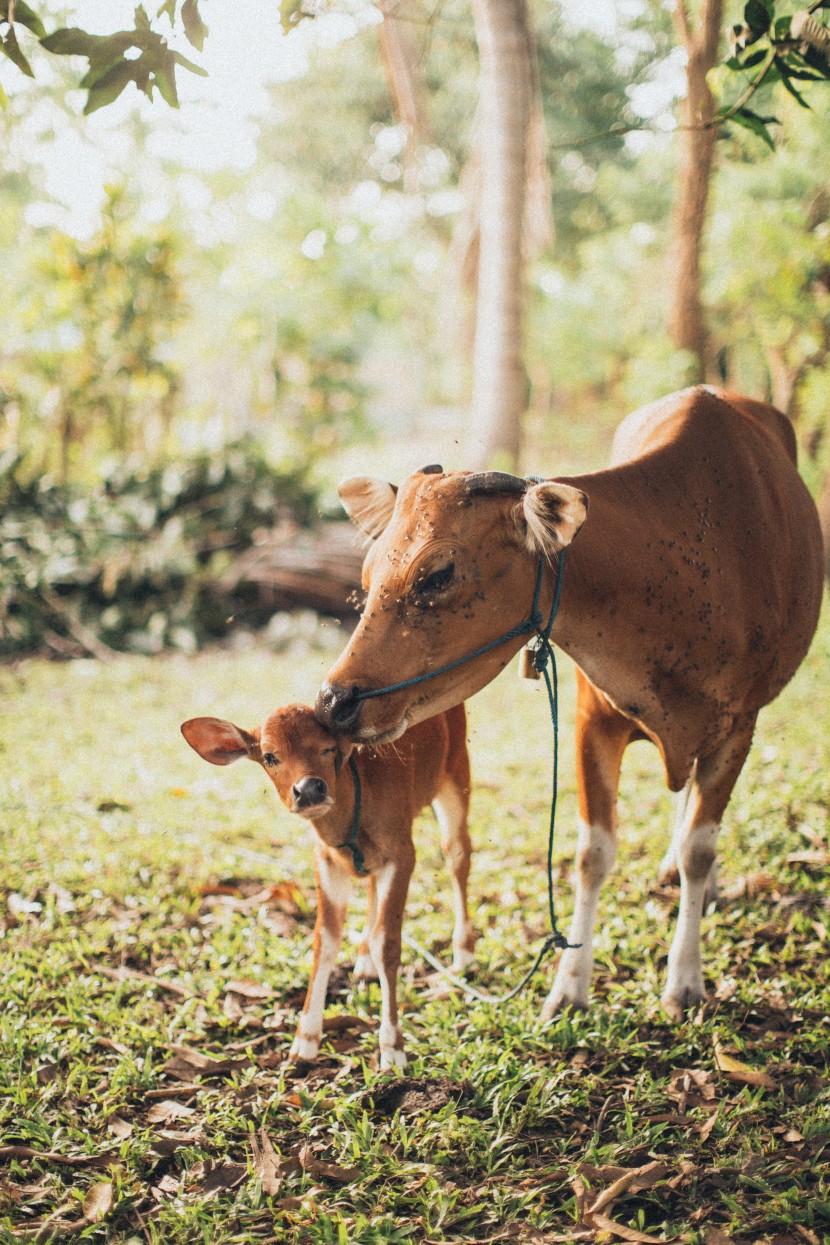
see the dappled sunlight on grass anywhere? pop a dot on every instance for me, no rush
(158, 915)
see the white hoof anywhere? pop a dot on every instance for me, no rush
(680, 999)
(461, 959)
(559, 999)
(304, 1049)
(364, 969)
(391, 1057)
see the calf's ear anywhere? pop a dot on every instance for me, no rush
(345, 747)
(550, 515)
(368, 502)
(220, 742)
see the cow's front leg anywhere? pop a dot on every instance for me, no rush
(602, 735)
(711, 787)
(392, 881)
(333, 889)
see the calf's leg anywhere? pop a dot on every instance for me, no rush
(392, 882)
(364, 965)
(602, 735)
(451, 806)
(333, 889)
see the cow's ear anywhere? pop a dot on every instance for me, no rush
(220, 742)
(550, 515)
(368, 502)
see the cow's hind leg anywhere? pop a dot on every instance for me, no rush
(669, 871)
(711, 786)
(602, 735)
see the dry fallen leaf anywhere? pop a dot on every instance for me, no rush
(167, 1110)
(706, 1128)
(186, 1064)
(167, 1142)
(120, 1128)
(632, 1181)
(736, 1070)
(250, 989)
(621, 1230)
(337, 1024)
(98, 1202)
(215, 1178)
(326, 1171)
(267, 1164)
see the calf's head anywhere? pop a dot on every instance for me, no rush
(452, 566)
(301, 757)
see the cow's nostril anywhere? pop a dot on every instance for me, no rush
(338, 708)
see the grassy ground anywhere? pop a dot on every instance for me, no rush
(156, 933)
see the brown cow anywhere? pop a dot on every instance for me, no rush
(688, 602)
(429, 766)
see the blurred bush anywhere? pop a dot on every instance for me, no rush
(134, 564)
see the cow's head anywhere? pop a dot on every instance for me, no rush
(299, 755)
(452, 566)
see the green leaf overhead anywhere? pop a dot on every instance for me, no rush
(194, 27)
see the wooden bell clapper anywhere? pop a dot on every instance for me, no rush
(527, 660)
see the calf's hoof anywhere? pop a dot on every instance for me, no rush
(364, 969)
(668, 874)
(462, 958)
(558, 1000)
(304, 1049)
(392, 1057)
(677, 1002)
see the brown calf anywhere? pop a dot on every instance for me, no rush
(428, 765)
(690, 596)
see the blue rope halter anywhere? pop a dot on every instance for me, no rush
(543, 655)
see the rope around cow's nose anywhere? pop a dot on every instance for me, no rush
(542, 655)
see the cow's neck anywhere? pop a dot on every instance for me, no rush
(603, 622)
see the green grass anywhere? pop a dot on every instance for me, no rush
(123, 849)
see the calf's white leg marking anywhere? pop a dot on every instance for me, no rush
(595, 852)
(364, 966)
(333, 889)
(385, 947)
(451, 813)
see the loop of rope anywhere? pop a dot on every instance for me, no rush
(351, 844)
(543, 656)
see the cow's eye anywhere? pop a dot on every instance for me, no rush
(436, 581)
(269, 759)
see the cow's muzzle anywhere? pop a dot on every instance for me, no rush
(338, 708)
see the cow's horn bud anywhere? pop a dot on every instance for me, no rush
(494, 482)
(433, 469)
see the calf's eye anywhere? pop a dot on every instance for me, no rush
(269, 758)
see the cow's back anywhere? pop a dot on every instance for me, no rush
(707, 545)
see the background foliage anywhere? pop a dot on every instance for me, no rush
(312, 295)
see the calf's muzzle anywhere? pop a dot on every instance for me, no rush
(309, 792)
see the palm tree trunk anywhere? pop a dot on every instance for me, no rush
(499, 380)
(686, 319)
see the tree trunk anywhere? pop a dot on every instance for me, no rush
(404, 84)
(686, 320)
(499, 380)
(824, 519)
